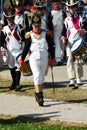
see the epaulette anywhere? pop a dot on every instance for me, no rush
(27, 35)
(30, 14)
(48, 32)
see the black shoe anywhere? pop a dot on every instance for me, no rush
(12, 87)
(79, 84)
(17, 88)
(75, 87)
(39, 98)
(71, 85)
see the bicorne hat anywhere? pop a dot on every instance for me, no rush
(36, 19)
(71, 3)
(17, 3)
(55, 1)
(9, 12)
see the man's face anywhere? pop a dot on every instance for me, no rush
(56, 4)
(85, 1)
(72, 10)
(18, 8)
(36, 28)
(10, 21)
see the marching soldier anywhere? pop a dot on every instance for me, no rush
(19, 15)
(39, 42)
(72, 31)
(84, 16)
(41, 10)
(27, 15)
(12, 36)
(55, 25)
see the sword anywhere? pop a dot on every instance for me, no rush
(53, 81)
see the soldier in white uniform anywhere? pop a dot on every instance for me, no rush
(55, 23)
(41, 10)
(19, 14)
(72, 31)
(12, 35)
(39, 42)
(27, 15)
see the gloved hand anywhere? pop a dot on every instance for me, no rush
(52, 62)
(21, 62)
(22, 65)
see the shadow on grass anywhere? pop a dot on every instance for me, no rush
(22, 119)
(55, 84)
(60, 84)
(24, 88)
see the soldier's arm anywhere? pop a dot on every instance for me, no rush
(2, 39)
(51, 45)
(27, 46)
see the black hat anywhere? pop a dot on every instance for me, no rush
(17, 3)
(9, 12)
(36, 19)
(40, 3)
(55, 1)
(71, 3)
(27, 2)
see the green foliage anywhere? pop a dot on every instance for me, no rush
(7, 1)
(35, 126)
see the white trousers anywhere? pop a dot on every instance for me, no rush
(58, 50)
(74, 69)
(12, 58)
(38, 68)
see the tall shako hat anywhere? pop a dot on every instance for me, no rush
(40, 3)
(27, 2)
(17, 3)
(36, 19)
(71, 3)
(55, 1)
(9, 12)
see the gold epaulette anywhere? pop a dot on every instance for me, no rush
(48, 32)
(27, 35)
(30, 14)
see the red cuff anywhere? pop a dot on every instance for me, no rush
(52, 61)
(21, 62)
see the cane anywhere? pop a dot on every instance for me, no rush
(52, 81)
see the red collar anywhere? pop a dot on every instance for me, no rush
(37, 32)
(56, 9)
(27, 10)
(18, 13)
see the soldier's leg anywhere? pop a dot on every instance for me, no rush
(12, 71)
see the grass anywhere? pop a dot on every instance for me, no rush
(62, 93)
(17, 123)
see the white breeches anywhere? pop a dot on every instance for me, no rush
(12, 61)
(73, 71)
(58, 50)
(38, 68)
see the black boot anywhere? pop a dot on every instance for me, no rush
(18, 76)
(12, 71)
(39, 98)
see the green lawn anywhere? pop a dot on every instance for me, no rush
(15, 124)
(62, 93)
